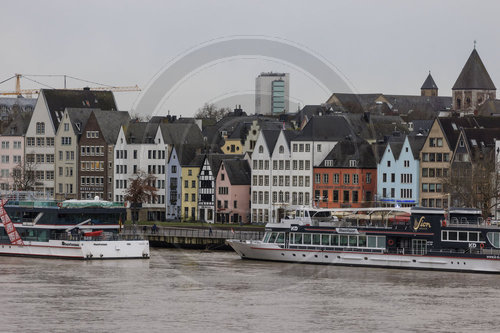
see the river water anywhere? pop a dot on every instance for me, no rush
(196, 291)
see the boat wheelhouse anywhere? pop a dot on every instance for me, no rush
(79, 229)
(420, 238)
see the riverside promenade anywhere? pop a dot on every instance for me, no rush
(190, 238)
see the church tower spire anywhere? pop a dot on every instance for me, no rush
(429, 88)
(473, 86)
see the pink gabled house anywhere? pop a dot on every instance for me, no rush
(12, 148)
(232, 192)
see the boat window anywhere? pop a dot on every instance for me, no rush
(266, 237)
(316, 239)
(335, 240)
(381, 241)
(353, 240)
(362, 240)
(462, 236)
(325, 239)
(481, 237)
(307, 239)
(494, 238)
(298, 238)
(343, 240)
(280, 238)
(473, 237)
(444, 235)
(273, 237)
(372, 241)
(452, 235)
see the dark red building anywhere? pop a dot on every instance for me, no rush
(347, 177)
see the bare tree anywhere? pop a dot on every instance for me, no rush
(475, 184)
(24, 176)
(141, 188)
(212, 111)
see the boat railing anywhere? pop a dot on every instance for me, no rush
(102, 237)
(202, 232)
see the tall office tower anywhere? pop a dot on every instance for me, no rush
(272, 92)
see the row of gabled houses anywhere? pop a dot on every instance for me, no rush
(353, 151)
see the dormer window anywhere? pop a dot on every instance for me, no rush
(462, 143)
(354, 163)
(329, 163)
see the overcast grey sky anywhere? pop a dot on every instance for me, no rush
(380, 46)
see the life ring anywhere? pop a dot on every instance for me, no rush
(481, 245)
(443, 223)
(390, 242)
(59, 204)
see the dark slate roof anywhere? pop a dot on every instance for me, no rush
(487, 122)
(374, 127)
(404, 104)
(489, 108)
(238, 171)
(481, 140)
(238, 126)
(308, 111)
(421, 127)
(416, 144)
(141, 132)
(396, 147)
(78, 119)
(352, 149)
(216, 159)
(181, 133)
(474, 75)
(429, 83)
(355, 103)
(19, 125)
(186, 153)
(452, 126)
(110, 123)
(290, 135)
(326, 128)
(197, 161)
(270, 136)
(59, 99)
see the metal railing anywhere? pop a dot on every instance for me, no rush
(194, 232)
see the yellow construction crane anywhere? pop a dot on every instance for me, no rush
(30, 92)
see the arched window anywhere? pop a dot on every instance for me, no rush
(282, 149)
(459, 103)
(261, 149)
(40, 128)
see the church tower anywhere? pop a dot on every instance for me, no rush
(473, 86)
(429, 88)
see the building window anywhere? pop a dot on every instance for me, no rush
(40, 128)
(336, 178)
(346, 196)
(355, 178)
(346, 178)
(325, 178)
(317, 178)
(368, 178)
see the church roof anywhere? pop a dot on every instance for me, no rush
(474, 75)
(429, 83)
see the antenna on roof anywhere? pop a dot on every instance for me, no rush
(475, 44)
